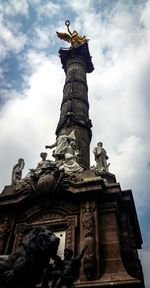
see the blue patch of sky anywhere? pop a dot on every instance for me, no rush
(12, 76)
(27, 21)
(68, 15)
(107, 6)
(145, 227)
(12, 73)
(1, 101)
(144, 219)
(104, 5)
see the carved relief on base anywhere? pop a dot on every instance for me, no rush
(4, 232)
(88, 222)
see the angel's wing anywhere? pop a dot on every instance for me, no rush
(64, 36)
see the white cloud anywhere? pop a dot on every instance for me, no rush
(145, 17)
(11, 42)
(33, 116)
(11, 38)
(130, 164)
(11, 8)
(43, 37)
(49, 9)
(79, 6)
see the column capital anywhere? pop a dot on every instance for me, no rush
(82, 51)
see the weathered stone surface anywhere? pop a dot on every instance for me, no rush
(75, 107)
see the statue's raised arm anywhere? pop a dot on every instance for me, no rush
(72, 37)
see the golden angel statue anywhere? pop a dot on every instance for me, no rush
(72, 37)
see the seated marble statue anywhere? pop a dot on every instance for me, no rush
(101, 157)
(62, 142)
(70, 164)
(43, 165)
(17, 171)
(72, 37)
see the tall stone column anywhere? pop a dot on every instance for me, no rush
(75, 107)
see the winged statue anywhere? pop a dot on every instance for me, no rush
(72, 37)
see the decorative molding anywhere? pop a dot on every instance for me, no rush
(4, 231)
(70, 236)
(88, 229)
(55, 221)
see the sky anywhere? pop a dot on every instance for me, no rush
(32, 79)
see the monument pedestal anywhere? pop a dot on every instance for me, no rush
(88, 210)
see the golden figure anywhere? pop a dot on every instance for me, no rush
(72, 37)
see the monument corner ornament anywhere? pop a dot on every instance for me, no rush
(67, 223)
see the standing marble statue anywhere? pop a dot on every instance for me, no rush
(17, 171)
(101, 157)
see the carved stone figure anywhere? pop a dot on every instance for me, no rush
(62, 142)
(17, 171)
(43, 165)
(72, 37)
(4, 230)
(70, 164)
(44, 162)
(69, 270)
(24, 268)
(101, 157)
(88, 222)
(88, 226)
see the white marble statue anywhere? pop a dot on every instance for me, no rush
(17, 171)
(70, 164)
(62, 142)
(41, 166)
(101, 157)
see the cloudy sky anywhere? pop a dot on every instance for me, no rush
(32, 81)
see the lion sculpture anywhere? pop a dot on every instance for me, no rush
(24, 268)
